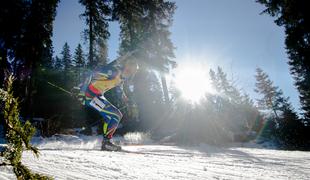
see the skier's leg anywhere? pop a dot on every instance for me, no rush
(110, 114)
(93, 115)
(111, 118)
(88, 95)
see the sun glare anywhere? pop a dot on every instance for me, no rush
(193, 82)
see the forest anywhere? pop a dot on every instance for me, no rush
(44, 81)
(37, 85)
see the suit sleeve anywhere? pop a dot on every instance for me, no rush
(105, 73)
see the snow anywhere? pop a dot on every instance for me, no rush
(72, 157)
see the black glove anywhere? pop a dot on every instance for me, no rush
(78, 94)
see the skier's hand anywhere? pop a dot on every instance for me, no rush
(125, 99)
(78, 94)
(133, 111)
(75, 91)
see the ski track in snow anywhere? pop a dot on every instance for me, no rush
(86, 161)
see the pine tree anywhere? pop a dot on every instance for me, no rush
(67, 61)
(289, 129)
(145, 26)
(101, 56)
(18, 135)
(58, 65)
(26, 30)
(158, 21)
(66, 57)
(129, 15)
(293, 16)
(214, 81)
(265, 87)
(96, 15)
(236, 110)
(225, 87)
(150, 97)
(47, 59)
(79, 61)
(11, 17)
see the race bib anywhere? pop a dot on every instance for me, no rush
(97, 104)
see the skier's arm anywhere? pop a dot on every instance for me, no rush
(79, 90)
(121, 93)
(106, 73)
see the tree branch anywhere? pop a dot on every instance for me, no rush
(28, 146)
(5, 164)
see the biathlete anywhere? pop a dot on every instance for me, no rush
(92, 95)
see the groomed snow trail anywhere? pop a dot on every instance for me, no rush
(166, 162)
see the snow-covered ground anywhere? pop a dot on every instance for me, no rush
(80, 158)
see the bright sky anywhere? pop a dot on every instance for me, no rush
(209, 33)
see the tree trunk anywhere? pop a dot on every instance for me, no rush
(165, 89)
(3, 65)
(91, 40)
(29, 91)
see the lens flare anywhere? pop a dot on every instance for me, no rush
(193, 82)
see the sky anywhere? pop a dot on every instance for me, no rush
(209, 33)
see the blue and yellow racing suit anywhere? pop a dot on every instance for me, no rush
(99, 82)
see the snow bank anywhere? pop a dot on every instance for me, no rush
(67, 142)
(137, 138)
(6, 173)
(72, 157)
(60, 141)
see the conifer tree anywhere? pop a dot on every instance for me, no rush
(129, 15)
(265, 87)
(289, 129)
(158, 21)
(26, 30)
(47, 59)
(150, 97)
(79, 61)
(18, 135)
(101, 56)
(145, 26)
(214, 80)
(58, 65)
(221, 83)
(293, 16)
(67, 61)
(66, 57)
(236, 109)
(97, 15)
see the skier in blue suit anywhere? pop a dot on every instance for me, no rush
(92, 92)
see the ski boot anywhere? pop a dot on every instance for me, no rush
(107, 145)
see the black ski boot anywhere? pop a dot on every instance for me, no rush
(107, 145)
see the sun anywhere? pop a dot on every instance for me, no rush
(193, 82)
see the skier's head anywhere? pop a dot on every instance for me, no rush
(130, 68)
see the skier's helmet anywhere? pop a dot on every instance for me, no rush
(130, 68)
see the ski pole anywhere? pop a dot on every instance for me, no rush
(54, 85)
(123, 107)
(60, 88)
